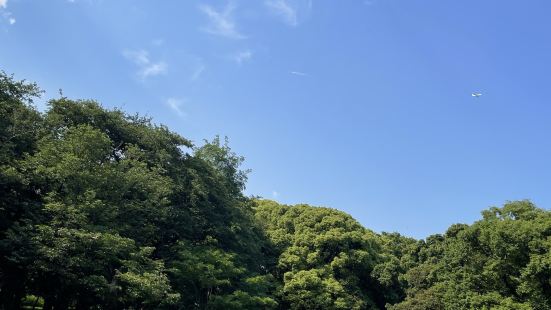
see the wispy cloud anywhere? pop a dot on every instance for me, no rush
(275, 194)
(154, 69)
(176, 105)
(139, 57)
(284, 10)
(4, 15)
(198, 72)
(221, 22)
(147, 68)
(243, 56)
(158, 42)
(299, 73)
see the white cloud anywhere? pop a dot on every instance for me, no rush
(153, 69)
(6, 16)
(221, 22)
(291, 12)
(3, 3)
(299, 73)
(147, 68)
(158, 42)
(284, 10)
(243, 56)
(139, 57)
(198, 72)
(176, 105)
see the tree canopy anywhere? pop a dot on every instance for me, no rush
(104, 210)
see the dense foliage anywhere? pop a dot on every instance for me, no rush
(104, 210)
(99, 208)
(500, 262)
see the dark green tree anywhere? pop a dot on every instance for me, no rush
(20, 200)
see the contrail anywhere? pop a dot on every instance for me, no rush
(299, 73)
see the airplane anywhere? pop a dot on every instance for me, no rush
(476, 94)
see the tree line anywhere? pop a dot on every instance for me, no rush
(100, 209)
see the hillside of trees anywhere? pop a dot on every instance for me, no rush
(104, 210)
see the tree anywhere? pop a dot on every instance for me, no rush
(104, 210)
(20, 125)
(499, 262)
(325, 257)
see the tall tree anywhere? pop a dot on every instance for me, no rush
(325, 257)
(20, 200)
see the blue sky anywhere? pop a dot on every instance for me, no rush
(363, 106)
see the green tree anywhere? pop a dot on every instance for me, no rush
(104, 210)
(325, 257)
(20, 203)
(499, 262)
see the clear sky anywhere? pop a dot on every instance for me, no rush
(363, 106)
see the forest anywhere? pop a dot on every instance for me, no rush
(100, 209)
